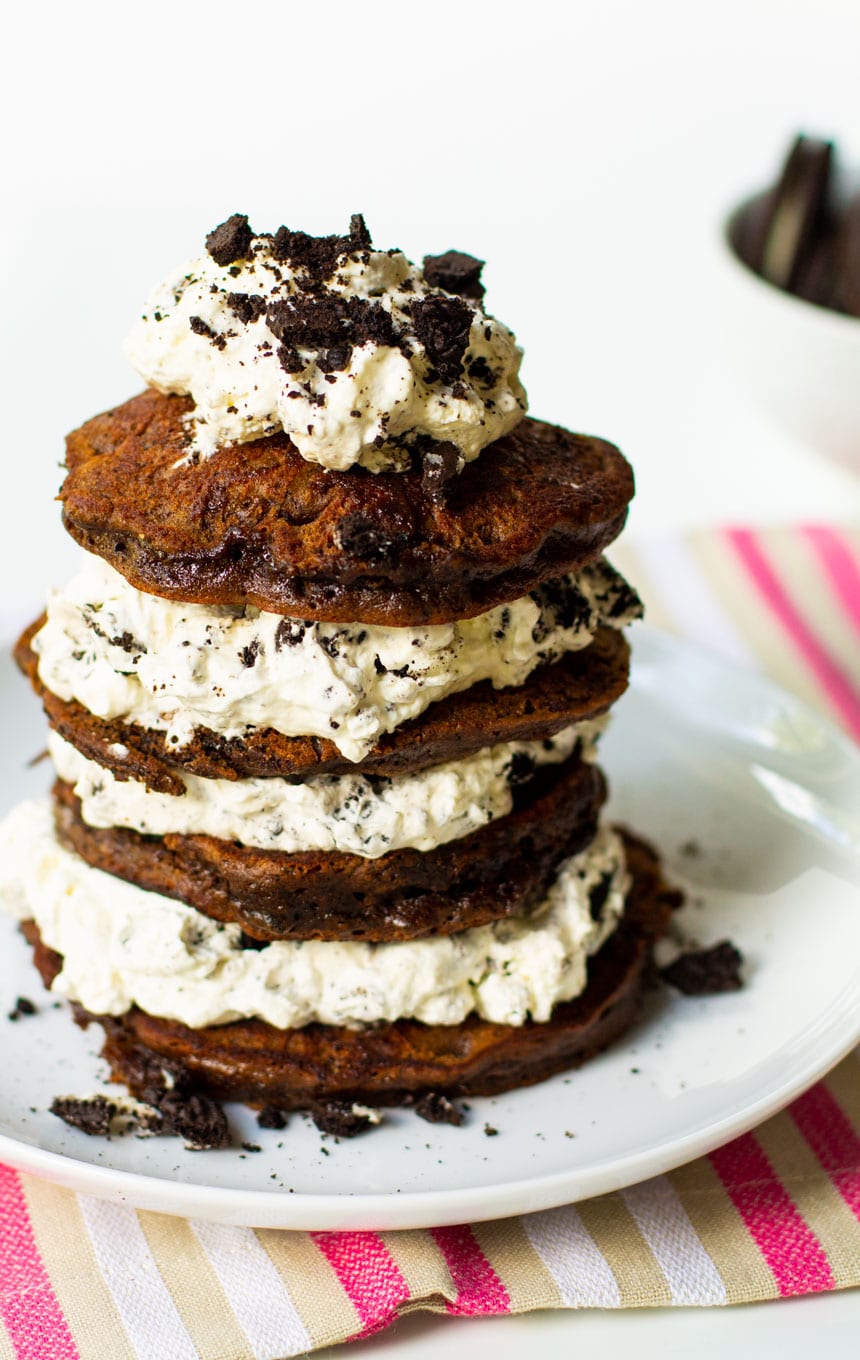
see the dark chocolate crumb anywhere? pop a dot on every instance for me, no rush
(438, 1109)
(319, 255)
(442, 324)
(490, 1131)
(270, 1117)
(440, 461)
(597, 896)
(340, 1119)
(252, 1147)
(247, 306)
(201, 327)
(705, 972)
(456, 272)
(479, 371)
(90, 1114)
(23, 1006)
(289, 633)
(248, 655)
(196, 1119)
(231, 240)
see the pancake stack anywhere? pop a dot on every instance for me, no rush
(325, 697)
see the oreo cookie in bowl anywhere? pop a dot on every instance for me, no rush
(790, 292)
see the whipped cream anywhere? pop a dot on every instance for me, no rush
(122, 946)
(174, 667)
(347, 349)
(367, 815)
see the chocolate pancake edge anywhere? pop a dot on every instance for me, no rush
(257, 524)
(502, 869)
(583, 684)
(391, 1063)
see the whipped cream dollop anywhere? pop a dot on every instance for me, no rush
(354, 352)
(122, 946)
(174, 667)
(367, 815)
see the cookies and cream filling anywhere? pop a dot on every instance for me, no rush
(122, 946)
(367, 815)
(355, 353)
(173, 667)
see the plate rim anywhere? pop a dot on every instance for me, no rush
(436, 1208)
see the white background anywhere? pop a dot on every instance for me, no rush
(586, 150)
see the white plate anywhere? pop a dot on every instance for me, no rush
(699, 752)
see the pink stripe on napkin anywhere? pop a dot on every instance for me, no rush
(29, 1308)
(479, 1290)
(784, 1238)
(841, 567)
(833, 1140)
(836, 685)
(368, 1274)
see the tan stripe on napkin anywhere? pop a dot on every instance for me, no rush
(64, 1245)
(632, 1262)
(194, 1287)
(313, 1286)
(421, 1264)
(517, 1264)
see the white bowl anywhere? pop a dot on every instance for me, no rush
(800, 361)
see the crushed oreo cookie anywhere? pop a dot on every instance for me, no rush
(455, 272)
(597, 897)
(289, 633)
(231, 240)
(247, 307)
(270, 1117)
(440, 461)
(90, 1114)
(438, 1109)
(23, 1006)
(341, 1119)
(319, 255)
(706, 972)
(442, 324)
(198, 1121)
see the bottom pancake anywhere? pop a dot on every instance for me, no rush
(390, 1063)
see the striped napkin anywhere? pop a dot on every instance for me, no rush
(772, 1214)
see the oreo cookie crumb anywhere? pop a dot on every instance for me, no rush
(340, 1119)
(23, 1006)
(247, 307)
(270, 1117)
(90, 1114)
(197, 1120)
(438, 1109)
(252, 1147)
(442, 324)
(597, 896)
(231, 240)
(319, 255)
(201, 327)
(455, 272)
(440, 461)
(490, 1131)
(248, 655)
(705, 972)
(289, 633)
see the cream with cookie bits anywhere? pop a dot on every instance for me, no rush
(124, 653)
(325, 696)
(356, 353)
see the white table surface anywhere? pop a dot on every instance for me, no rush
(587, 151)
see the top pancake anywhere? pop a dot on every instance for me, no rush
(257, 524)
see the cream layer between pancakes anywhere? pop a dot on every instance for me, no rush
(122, 946)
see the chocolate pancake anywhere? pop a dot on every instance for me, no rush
(504, 868)
(389, 1063)
(582, 685)
(257, 524)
